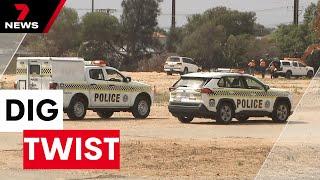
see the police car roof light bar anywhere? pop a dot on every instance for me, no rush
(100, 63)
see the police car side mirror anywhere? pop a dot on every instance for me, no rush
(127, 79)
(267, 87)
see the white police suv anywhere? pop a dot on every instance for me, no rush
(224, 96)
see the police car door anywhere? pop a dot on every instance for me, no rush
(34, 74)
(118, 86)
(258, 99)
(97, 89)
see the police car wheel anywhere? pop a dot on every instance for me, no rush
(104, 114)
(185, 71)
(77, 109)
(281, 112)
(310, 74)
(141, 108)
(242, 118)
(288, 75)
(185, 119)
(225, 113)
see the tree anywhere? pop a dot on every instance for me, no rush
(175, 37)
(294, 39)
(220, 37)
(234, 22)
(310, 13)
(290, 39)
(204, 45)
(236, 48)
(260, 30)
(63, 38)
(139, 21)
(101, 37)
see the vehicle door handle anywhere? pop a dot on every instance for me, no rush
(93, 84)
(112, 86)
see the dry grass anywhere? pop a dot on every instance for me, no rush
(193, 159)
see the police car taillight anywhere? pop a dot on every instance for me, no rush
(172, 89)
(206, 91)
(53, 85)
(15, 85)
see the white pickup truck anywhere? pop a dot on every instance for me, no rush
(288, 69)
(86, 86)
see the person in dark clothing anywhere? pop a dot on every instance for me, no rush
(263, 67)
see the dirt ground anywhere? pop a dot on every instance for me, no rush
(161, 147)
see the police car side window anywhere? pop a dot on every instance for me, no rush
(222, 82)
(231, 82)
(96, 74)
(253, 84)
(285, 64)
(301, 65)
(113, 75)
(185, 60)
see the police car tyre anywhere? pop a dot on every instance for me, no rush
(288, 74)
(225, 113)
(281, 112)
(242, 118)
(310, 74)
(141, 107)
(104, 114)
(185, 119)
(77, 109)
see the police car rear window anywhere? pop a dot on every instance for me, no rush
(285, 63)
(174, 59)
(191, 82)
(34, 69)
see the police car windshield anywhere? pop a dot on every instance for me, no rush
(190, 82)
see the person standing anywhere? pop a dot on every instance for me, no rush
(263, 67)
(252, 66)
(273, 69)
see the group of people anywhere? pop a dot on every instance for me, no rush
(262, 68)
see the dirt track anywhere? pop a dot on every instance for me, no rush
(161, 147)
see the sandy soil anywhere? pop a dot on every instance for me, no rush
(161, 147)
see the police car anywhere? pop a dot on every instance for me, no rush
(86, 86)
(224, 96)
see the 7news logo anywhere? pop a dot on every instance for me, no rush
(28, 16)
(21, 23)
